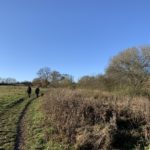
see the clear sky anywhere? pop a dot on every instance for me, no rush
(77, 37)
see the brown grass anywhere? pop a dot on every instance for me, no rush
(95, 120)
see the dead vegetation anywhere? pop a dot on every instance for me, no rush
(92, 120)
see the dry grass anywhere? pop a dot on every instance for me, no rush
(95, 120)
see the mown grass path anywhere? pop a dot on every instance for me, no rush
(20, 124)
(31, 127)
(15, 119)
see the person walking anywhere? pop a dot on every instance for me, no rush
(29, 91)
(37, 91)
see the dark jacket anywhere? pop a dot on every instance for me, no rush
(29, 90)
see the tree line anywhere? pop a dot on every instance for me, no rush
(48, 78)
(8, 80)
(128, 71)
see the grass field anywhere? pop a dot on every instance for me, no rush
(66, 119)
(13, 105)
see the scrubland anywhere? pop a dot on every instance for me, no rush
(92, 120)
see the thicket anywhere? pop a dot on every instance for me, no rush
(92, 120)
(127, 73)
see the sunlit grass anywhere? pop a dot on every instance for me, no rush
(10, 109)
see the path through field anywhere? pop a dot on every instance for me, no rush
(31, 127)
(20, 119)
(20, 127)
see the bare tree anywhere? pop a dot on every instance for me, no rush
(44, 75)
(55, 76)
(131, 66)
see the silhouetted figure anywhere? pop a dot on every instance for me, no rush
(37, 91)
(29, 90)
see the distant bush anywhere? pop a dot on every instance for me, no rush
(100, 82)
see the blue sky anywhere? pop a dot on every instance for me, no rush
(77, 37)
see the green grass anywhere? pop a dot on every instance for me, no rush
(8, 126)
(9, 115)
(10, 94)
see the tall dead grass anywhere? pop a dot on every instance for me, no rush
(92, 120)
